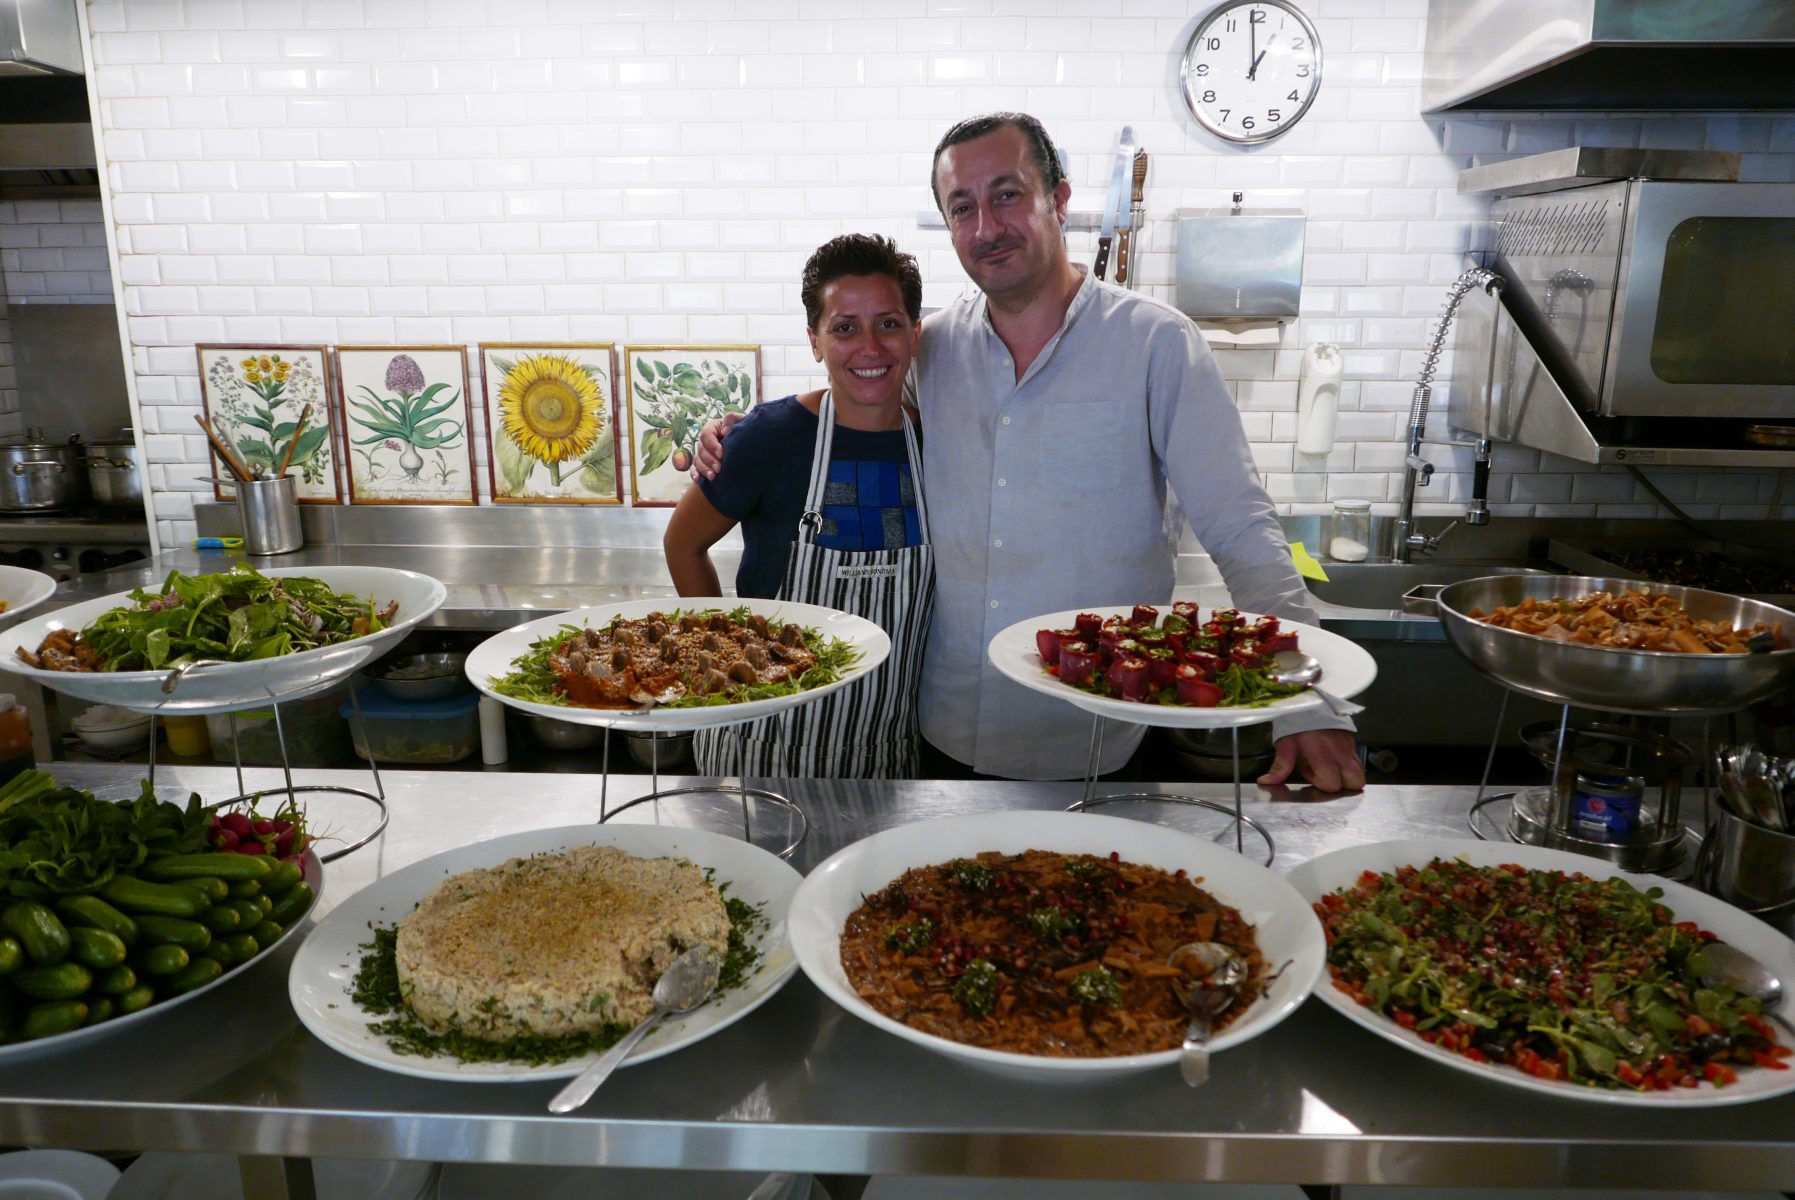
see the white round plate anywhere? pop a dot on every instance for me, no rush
(323, 974)
(314, 875)
(22, 589)
(224, 686)
(55, 1175)
(492, 660)
(1286, 928)
(1331, 872)
(1346, 670)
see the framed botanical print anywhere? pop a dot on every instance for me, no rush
(551, 422)
(254, 397)
(405, 418)
(673, 391)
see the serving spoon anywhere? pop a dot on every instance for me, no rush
(686, 984)
(1207, 994)
(1293, 666)
(1740, 971)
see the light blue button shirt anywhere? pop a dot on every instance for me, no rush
(1050, 494)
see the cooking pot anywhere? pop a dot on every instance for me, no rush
(38, 475)
(112, 471)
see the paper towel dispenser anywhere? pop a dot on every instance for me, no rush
(1239, 264)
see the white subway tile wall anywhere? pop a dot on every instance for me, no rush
(457, 171)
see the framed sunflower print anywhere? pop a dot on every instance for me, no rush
(254, 397)
(551, 422)
(673, 391)
(406, 419)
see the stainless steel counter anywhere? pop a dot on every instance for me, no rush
(801, 1085)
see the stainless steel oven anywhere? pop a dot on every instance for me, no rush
(1655, 298)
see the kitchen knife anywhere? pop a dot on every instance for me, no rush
(1113, 208)
(1132, 217)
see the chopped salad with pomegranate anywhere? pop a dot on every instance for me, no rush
(1181, 659)
(1588, 981)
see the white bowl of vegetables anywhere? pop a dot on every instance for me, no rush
(216, 643)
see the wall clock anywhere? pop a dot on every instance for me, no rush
(1252, 69)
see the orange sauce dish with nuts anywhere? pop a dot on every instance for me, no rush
(1040, 952)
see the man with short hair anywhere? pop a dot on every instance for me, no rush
(1055, 410)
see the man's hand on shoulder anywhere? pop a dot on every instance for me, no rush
(709, 459)
(1329, 759)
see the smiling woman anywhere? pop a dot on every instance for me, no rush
(849, 534)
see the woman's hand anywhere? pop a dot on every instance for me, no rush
(1329, 759)
(709, 459)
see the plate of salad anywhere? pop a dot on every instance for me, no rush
(1548, 971)
(676, 664)
(1223, 648)
(246, 636)
(112, 912)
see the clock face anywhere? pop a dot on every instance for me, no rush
(1252, 69)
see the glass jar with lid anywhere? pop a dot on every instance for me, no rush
(1349, 531)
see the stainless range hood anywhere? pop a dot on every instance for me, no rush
(1609, 56)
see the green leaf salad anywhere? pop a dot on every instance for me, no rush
(235, 616)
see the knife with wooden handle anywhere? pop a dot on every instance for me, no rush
(1115, 208)
(1125, 236)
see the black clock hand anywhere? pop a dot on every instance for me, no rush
(1252, 45)
(1254, 69)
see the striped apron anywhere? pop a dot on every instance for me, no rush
(867, 730)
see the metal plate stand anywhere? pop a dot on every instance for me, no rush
(1238, 822)
(749, 796)
(292, 791)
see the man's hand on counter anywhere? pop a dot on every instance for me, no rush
(1328, 758)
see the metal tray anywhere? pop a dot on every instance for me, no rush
(1628, 681)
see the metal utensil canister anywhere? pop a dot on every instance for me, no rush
(269, 510)
(1746, 864)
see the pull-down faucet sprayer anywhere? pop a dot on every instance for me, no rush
(1417, 470)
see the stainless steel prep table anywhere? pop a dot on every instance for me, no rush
(801, 1085)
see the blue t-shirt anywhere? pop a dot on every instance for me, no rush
(869, 502)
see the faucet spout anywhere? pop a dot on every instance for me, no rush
(1418, 471)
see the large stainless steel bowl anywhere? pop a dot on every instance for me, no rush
(1629, 681)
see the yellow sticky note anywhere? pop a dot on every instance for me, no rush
(1306, 566)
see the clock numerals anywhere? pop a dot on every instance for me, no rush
(1246, 57)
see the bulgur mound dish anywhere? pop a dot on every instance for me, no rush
(553, 945)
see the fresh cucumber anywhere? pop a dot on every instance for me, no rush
(292, 904)
(228, 867)
(12, 955)
(137, 999)
(249, 910)
(284, 876)
(95, 913)
(115, 981)
(215, 890)
(162, 960)
(196, 974)
(100, 1008)
(95, 948)
(243, 889)
(221, 918)
(135, 895)
(47, 1020)
(64, 981)
(266, 933)
(159, 930)
(220, 952)
(44, 936)
(244, 946)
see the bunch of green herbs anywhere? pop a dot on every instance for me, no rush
(57, 841)
(236, 615)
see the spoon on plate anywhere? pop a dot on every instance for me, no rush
(686, 984)
(1740, 971)
(1293, 666)
(1207, 983)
